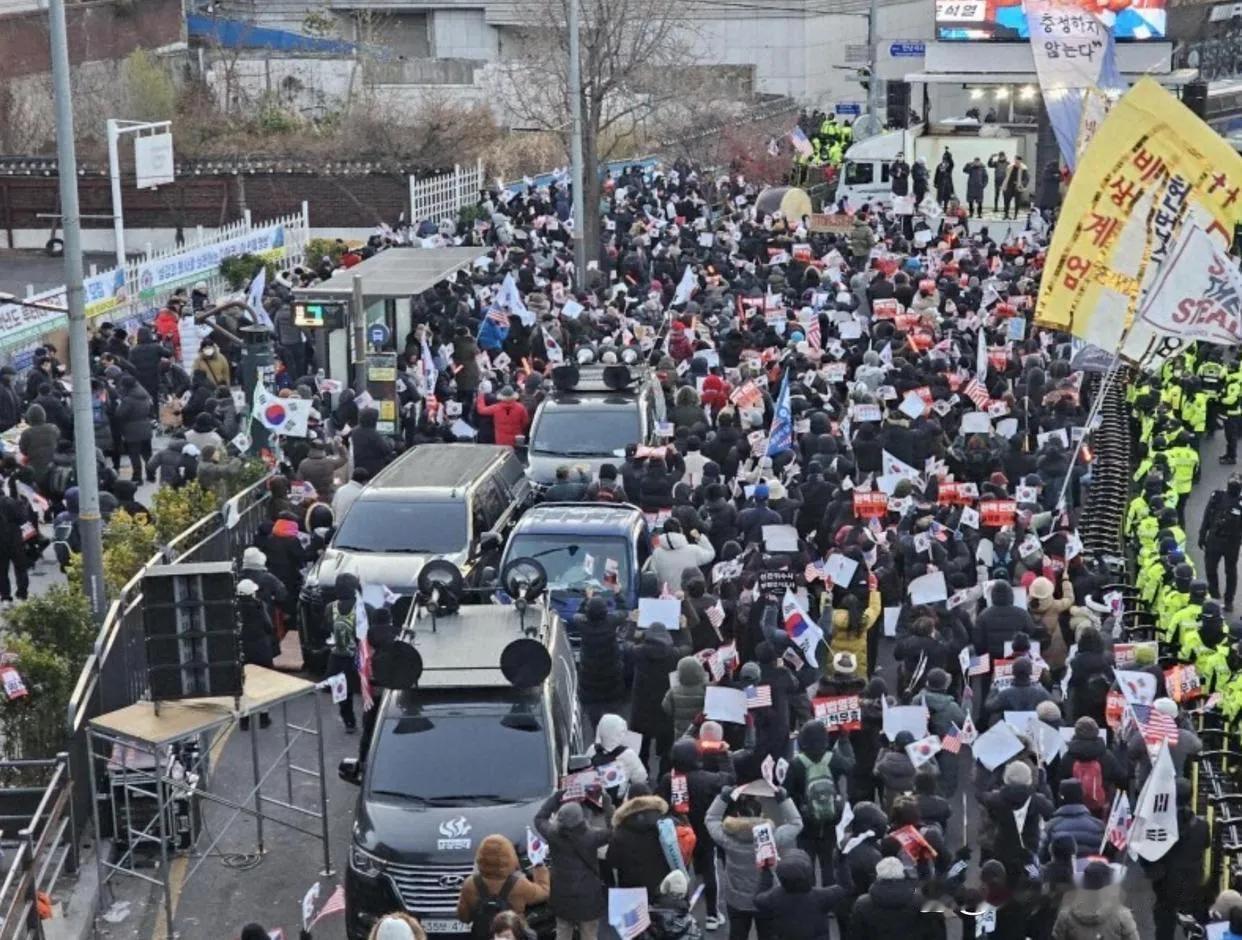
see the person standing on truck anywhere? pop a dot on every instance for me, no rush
(1017, 179)
(976, 186)
(944, 180)
(999, 165)
(919, 174)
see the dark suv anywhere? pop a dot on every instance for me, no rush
(590, 423)
(464, 756)
(450, 501)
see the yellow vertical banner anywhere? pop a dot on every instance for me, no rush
(1150, 166)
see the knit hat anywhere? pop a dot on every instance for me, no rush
(1166, 706)
(1017, 774)
(750, 672)
(889, 869)
(675, 884)
(570, 816)
(1041, 589)
(937, 680)
(1085, 729)
(711, 731)
(1048, 712)
(253, 557)
(1097, 876)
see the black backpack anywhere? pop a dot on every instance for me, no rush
(489, 905)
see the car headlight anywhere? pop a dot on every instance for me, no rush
(364, 863)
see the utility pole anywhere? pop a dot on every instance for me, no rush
(873, 63)
(575, 150)
(90, 526)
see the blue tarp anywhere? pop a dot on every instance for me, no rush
(238, 34)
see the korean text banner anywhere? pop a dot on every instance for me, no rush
(1006, 19)
(1151, 166)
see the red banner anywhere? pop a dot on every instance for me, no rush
(870, 504)
(998, 512)
(839, 712)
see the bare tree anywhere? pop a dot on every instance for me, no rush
(632, 54)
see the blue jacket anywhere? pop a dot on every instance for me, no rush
(1075, 820)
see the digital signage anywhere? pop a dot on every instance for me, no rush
(1006, 20)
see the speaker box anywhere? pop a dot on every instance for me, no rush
(1195, 97)
(897, 101)
(193, 638)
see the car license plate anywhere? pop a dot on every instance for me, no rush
(445, 926)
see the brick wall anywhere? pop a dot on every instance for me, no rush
(98, 30)
(356, 201)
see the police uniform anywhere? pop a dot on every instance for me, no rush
(1220, 537)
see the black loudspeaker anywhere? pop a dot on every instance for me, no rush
(1195, 97)
(193, 638)
(898, 104)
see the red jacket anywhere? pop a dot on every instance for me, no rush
(508, 417)
(168, 328)
(715, 393)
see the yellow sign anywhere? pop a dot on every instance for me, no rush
(387, 410)
(1151, 165)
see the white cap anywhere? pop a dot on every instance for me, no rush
(253, 557)
(247, 588)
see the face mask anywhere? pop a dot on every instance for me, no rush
(208, 352)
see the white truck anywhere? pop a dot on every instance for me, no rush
(865, 171)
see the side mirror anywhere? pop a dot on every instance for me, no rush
(490, 540)
(350, 770)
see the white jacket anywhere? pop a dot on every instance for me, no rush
(675, 553)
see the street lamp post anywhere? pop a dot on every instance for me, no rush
(115, 129)
(90, 524)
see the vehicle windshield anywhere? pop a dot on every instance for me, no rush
(462, 757)
(574, 563)
(382, 525)
(586, 432)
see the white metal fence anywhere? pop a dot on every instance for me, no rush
(131, 295)
(442, 196)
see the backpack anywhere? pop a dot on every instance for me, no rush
(819, 801)
(1090, 776)
(60, 477)
(489, 905)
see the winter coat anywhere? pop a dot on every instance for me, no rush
(736, 835)
(145, 358)
(577, 890)
(320, 472)
(371, 449)
(976, 182)
(998, 624)
(609, 747)
(172, 466)
(601, 679)
(684, 701)
(798, 909)
(495, 861)
(38, 442)
(258, 636)
(895, 771)
(217, 368)
(10, 405)
(1049, 195)
(285, 555)
(1187, 745)
(1180, 873)
(465, 354)
(944, 182)
(918, 174)
(1022, 696)
(1047, 616)
(1076, 821)
(943, 711)
(1007, 844)
(1085, 915)
(509, 419)
(634, 852)
(1091, 749)
(861, 239)
(889, 910)
(133, 416)
(655, 657)
(703, 785)
(899, 174)
(674, 553)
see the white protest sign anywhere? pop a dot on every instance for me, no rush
(723, 704)
(665, 610)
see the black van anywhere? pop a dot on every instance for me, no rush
(464, 756)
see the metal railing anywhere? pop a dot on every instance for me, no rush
(43, 844)
(115, 674)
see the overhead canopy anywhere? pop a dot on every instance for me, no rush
(1175, 78)
(393, 274)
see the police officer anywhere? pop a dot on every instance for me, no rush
(1220, 536)
(1231, 409)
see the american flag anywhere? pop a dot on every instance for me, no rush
(758, 696)
(952, 741)
(334, 905)
(1155, 726)
(716, 616)
(798, 138)
(813, 337)
(498, 316)
(977, 392)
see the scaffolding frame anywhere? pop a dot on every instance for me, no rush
(139, 744)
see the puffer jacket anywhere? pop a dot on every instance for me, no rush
(38, 442)
(888, 910)
(684, 701)
(736, 835)
(610, 747)
(509, 419)
(1094, 915)
(601, 680)
(703, 785)
(654, 657)
(1076, 821)
(634, 852)
(674, 553)
(495, 861)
